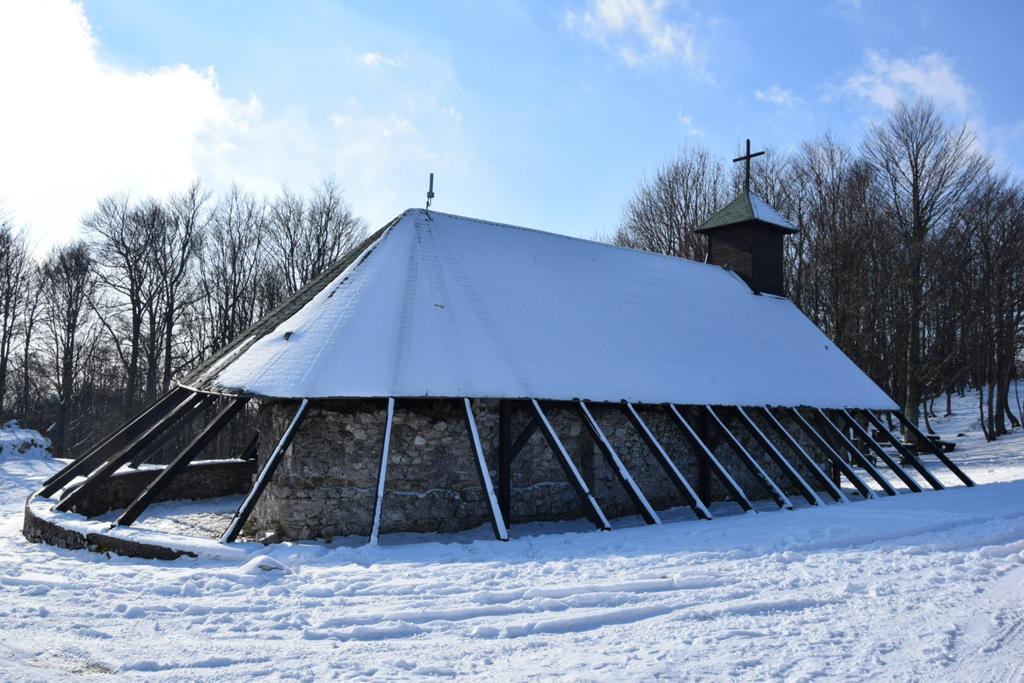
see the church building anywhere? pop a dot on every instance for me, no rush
(453, 372)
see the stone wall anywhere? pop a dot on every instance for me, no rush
(326, 482)
(200, 480)
(37, 529)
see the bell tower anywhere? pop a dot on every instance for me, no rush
(746, 236)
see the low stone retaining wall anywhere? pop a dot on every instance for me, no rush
(325, 484)
(40, 530)
(206, 479)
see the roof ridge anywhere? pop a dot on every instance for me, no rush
(619, 247)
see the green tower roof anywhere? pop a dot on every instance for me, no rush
(745, 208)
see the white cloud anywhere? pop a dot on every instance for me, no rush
(73, 128)
(80, 128)
(454, 114)
(886, 81)
(687, 123)
(777, 95)
(372, 59)
(388, 126)
(637, 31)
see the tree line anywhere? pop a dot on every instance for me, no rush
(910, 254)
(104, 325)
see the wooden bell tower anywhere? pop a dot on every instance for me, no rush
(746, 237)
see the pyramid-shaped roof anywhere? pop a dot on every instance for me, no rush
(745, 208)
(445, 306)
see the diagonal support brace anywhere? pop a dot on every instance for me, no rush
(674, 475)
(618, 467)
(263, 479)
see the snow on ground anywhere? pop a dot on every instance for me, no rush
(920, 587)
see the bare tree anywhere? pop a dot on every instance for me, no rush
(928, 169)
(232, 266)
(70, 282)
(150, 224)
(15, 267)
(992, 221)
(304, 237)
(122, 242)
(31, 311)
(666, 209)
(175, 253)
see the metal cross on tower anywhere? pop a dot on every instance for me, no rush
(746, 158)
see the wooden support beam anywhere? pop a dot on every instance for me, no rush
(185, 410)
(146, 454)
(674, 475)
(825, 447)
(115, 441)
(180, 462)
(378, 501)
(880, 452)
(703, 469)
(704, 453)
(854, 452)
(618, 467)
(263, 479)
(748, 461)
(903, 450)
(251, 448)
(505, 460)
(826, 482)
(508, 451)
(569, 467)
(930, 445)
(496, 518)
(523, 437)
(778, 458)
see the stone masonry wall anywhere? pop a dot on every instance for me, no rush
(200, 480)
(326, 482)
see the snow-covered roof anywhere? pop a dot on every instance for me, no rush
(446, 306)
(745, 208)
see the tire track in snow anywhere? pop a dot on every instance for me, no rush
(612, 598)
(993, 645)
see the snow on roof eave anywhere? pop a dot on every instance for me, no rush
(231, 392)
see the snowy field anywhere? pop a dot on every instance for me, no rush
(919, 587)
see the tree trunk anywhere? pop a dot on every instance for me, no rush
(981, 412)
(26, 371)
(66, 380)
(4, 356)
(991, 413)
(912, 379)
(132, 380)
(168, 345)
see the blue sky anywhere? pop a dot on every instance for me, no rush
(545, 114)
